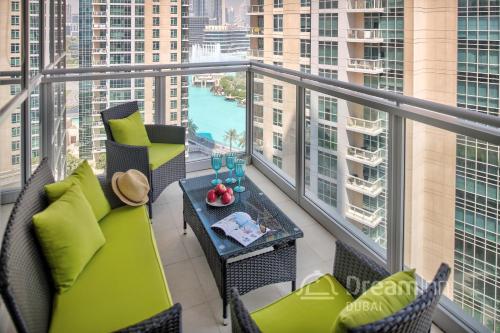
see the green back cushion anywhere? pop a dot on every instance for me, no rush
(130, 130)
(161, 153)
(382, 300)
(90, 186)
(69, 236)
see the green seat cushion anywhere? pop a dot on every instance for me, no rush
(382, 300)
(69, 235)
(312, 308)
(91, 188)
(130, 130)
(161, 153)
(122, 285)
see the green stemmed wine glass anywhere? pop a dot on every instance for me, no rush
(239, 170)
(216, 165)
(230, 159)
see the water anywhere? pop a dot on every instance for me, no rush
(213, 115)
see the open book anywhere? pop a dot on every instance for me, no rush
(241, 227)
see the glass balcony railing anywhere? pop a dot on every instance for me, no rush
(364, 36)
(365, 6)
(255, 53)
(363, 126)
(367, 66)
(256, 31)
(366, 187)
(255, 9)
(366, 217)
(364, 156)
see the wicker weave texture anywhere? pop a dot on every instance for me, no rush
(169, 321)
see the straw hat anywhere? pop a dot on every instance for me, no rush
(132, 187)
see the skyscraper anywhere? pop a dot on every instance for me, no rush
(128, 32)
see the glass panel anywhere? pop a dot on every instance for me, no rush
(346, 163)
(217, 114)
(452, 216)
(274, 125)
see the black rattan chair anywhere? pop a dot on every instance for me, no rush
(120, 157)
(414, 318)
(25, 281)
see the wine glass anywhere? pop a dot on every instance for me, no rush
(239, 170)
(216, 165)
(230, 159)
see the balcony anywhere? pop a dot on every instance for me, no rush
(366, 157)
(185, 3)
(364, 36)
(185, 26)
(99, 13)
(366, 187)
(256, 54)
(100, 26)
(256, 32)
(363, 126)
(99, 38)
(363, 216)
(365, 6)
(255, 9)
(100, 50)
(289, 176)
(366, 66)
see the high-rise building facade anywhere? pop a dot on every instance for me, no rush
(232, 39)
(129, 32)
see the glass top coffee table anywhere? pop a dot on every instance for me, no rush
(275, 263)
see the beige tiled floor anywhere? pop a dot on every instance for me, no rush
(189, 277)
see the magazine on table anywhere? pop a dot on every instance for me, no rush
(241, 227)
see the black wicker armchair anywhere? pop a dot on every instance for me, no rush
(120, 157)
(25, 280)
(414, 318)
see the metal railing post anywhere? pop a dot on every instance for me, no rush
(395, 193)
(160, 100)
(249, 114)
(47, 121)
(299, 141)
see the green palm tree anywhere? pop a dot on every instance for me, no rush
(192, 127)
(230, 136)
(242, 139)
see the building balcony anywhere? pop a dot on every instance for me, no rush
(99, 38)
(365, 6)
(99, 100)
(363, 126)
(99, 26)
(99, 62)
(256, 54)
(99, 13)
(366, 66)
(366, 187)
(255, 9)
(363, 216)
(185, 26)
(99, 50)
(185, 3)
(99, 2)
(366, 157)
(258, 98)
(256, 32)
(99, 87)
(364, 36)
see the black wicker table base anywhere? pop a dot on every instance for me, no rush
(276, 259)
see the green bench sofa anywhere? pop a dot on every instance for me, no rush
(122, 288)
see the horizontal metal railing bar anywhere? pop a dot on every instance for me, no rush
(130, 68)
(402, 99)
(18, 100)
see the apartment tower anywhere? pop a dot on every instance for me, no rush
(130, 32)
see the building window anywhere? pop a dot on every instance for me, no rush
(327, 108)
(328, 4)
(258, 115)
(327, 73)
(15, 118)
(327, 192)
(16, 159)
(14, 48)
(328, 25)
(327, 137)
(16, 145)
(173, 92)
(156, 57)
(305, 69)
(156, 45)
(156, 33)
(278, 46)
(14, 20)
(173, 104)
(173, 116)
(328, 53)
(139, 34)
(139, 22)
(14, 6)
(278, 3)
(277, 93)
(305, 22)
(16, 132)
(278, 63)
(173, 46)
(173, 21)
(139, 58)
(278, 22)
(156, 21)
(327, 164)
(139, 10)
(278, 141)
(173, 9)
(15, 62)
(278, 161)
(173, 57)
(14, 34)
(173, 80)
(156, 9)
(173, 33)
(305, 48)
(305, 3)
(277, 117)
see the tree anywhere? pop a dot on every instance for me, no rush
(100, 162)
(242, 139)
(230, 136)
(192, 127)
(72, 163)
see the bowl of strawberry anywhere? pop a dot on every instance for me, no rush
(220, 196)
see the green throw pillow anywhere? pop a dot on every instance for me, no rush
(69, 235)
(130, 130)
(90, 186)
(383, 299)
